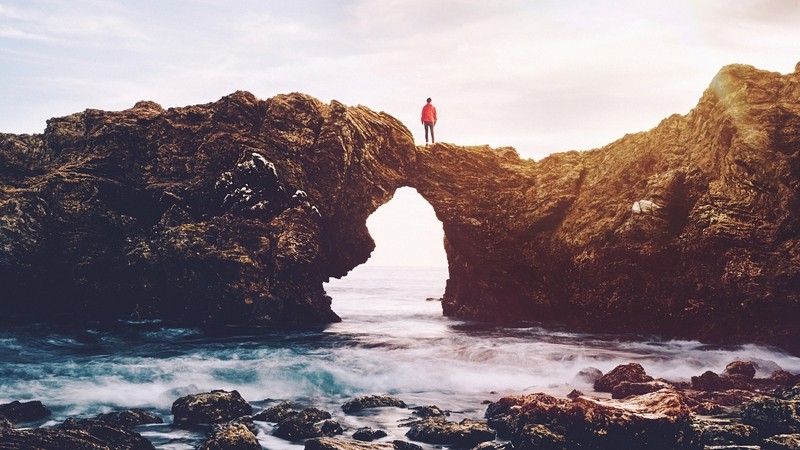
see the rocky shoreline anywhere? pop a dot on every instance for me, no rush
(627, 409)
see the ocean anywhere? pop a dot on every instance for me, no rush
(392, 339)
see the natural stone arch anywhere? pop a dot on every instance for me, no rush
(237, 211)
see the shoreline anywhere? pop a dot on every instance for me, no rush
(732, 408)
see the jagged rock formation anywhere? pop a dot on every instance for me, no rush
(711, 253)
(237, 211)
(231, 212)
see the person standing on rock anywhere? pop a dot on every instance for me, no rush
(429, 119)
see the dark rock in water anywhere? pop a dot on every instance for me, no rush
(626, 388)
(308, 423)
(87, 434)
(129, 418)
(745, 369)
(372, 401)
(17, 411)
(710, 381)
(210, 407)
(589, 375)
(632, 373)
(659, 420)
(231, 436)
(782, 442)
(574, 394)
(439, 431)
(368, 434)
(349, 444)
(429, 411)
(772, 416)
(238, 210)
(274, 413)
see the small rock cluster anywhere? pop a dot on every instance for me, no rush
(727, 411)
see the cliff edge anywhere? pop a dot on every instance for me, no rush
(237, 211)
(690, 229)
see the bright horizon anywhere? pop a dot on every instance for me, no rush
(541, 76)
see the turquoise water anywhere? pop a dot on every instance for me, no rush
(392, 339)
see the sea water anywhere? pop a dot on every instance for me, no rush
(392, 339)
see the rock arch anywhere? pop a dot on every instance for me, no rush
(237, 211)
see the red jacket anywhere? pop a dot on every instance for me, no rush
(428, 113)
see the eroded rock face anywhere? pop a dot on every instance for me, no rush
(658, 420)
(689, 229)
(231, 212)
(237, 211)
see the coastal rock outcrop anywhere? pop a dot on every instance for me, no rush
(231, 212)
(712, 256)
(658, 420)
(237, 211)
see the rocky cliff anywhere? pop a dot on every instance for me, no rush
(231, 212)
(237, 211)
(690, 229)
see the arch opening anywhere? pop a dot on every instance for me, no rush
(407, 271)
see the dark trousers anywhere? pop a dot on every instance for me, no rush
(429, 125)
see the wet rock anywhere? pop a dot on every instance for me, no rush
(710, 381)
(575, 394)
(782, 442)
(231, 436)
(308, 423)
(372, 401)
(772, 416)
(539, 437)
(632, 373)
(275, 413)
(745, 369)
(212, 407)
(349, 444)
(658, 420)
(429, 411)
(129, 418)
(405, 445)
(490, 445)
(368, 434)
(589, 375)
(718, 402)
(783, 377)
(87, 434)
(24, 411)
(439, 431)
(712, 433)
(627, 389)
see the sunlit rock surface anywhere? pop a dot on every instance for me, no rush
(558, 239)
(237, 211)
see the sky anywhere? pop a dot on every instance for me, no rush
(542, 76)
